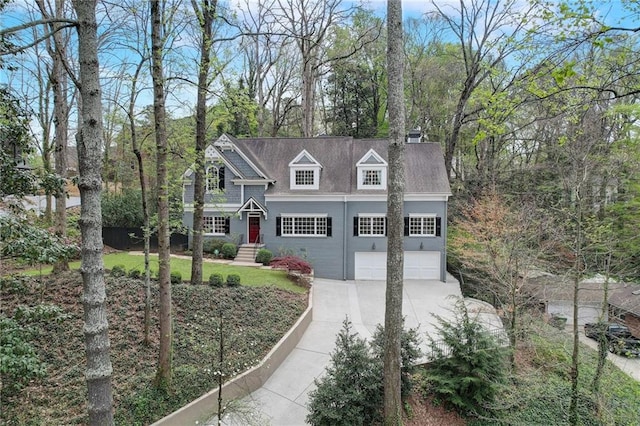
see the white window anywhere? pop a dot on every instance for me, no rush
(214, 225)
(372, 226)
(294, 226)
(214, 178)
(305, 177)
(372, 171)
(304, 172)
(371, 177)
(424, 225)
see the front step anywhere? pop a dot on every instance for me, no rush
(247, 253)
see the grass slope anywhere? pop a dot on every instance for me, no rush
(254, 277)
(254, 319)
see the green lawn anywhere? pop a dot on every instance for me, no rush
(249, 276)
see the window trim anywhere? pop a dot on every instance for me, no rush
(225, 225)
(292, 216)
(422, 218)
(219, 185)
(371, 225)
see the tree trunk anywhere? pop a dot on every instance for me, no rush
(164, 372)
(308, 92)
(395, 221)
(89, 144)
(206, 17)
(577, 272)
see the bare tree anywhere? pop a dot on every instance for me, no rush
(395, 222)
(308, 22)
(164, 372)
(89, 144)
(206, 15)
(56, 46)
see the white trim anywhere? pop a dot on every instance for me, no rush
(371, 225)
(304, 215)
(351, 198)
(225, 143)
(316, 177)
(369, 154)
(304, 153)
(232, 208)
(423, 216)
(372, 215)
(242, 181)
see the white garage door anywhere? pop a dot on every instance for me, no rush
(418, 265)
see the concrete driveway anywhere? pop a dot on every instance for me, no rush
(631, 366)
(283, 399)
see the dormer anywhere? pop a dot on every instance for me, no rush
(372, 171)
(304, 172)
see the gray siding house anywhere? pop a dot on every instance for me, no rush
(324, 199)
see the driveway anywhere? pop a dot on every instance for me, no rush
(631, 366)
(283, 398)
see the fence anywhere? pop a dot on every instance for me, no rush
(442, 350)
(133, 239)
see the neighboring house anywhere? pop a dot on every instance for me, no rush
(624, 304)
(325, 199)
(555, 295)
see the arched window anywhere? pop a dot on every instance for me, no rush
(215, 178)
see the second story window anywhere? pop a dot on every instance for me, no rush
(215, 178)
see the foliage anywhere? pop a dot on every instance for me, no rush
(469, 364)
(122, 209)
(264, 256)
(13, 284)
(233, 280)
(250, 276)
(134, 273)
(291, 263)
(350, 393)
(211, 245)
(19, 239)
(216, 280)
(255, 319)
(229, 250)
(409, 351)
(176, 277)
(118, 271)
(19, 362)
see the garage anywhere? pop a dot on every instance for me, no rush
(418, 265)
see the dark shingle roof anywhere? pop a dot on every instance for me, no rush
(424, 164)
(627, 298)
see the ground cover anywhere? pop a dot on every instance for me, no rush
(253, 320)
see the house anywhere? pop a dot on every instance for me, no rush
(554, 293)
(624, 304)
(324, 199)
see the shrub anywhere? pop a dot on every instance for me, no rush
(291, 263)
(409, 352)
(350, 393)
(14, 284)
(118, 271)
(134, 273)
(122, 209)
(211, 245)
(20, 362)
(176, 277)
(470, 364)
(229, 250)
(264, 256)
(216, 280)
(233, 280)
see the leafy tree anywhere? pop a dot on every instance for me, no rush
(122, 209)
(469, 364)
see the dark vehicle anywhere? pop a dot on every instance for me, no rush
(618, 337)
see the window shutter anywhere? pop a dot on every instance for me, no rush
(438, 226)
(278, 226)
(406, 226)
(221, 177)
(355, 226)
(386, 227)
(329, 230)
(227, 225)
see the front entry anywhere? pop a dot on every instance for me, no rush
(254, 229)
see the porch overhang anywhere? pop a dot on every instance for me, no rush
(252, 206)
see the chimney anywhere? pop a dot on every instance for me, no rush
(414, 136)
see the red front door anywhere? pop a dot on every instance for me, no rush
(254, 229)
